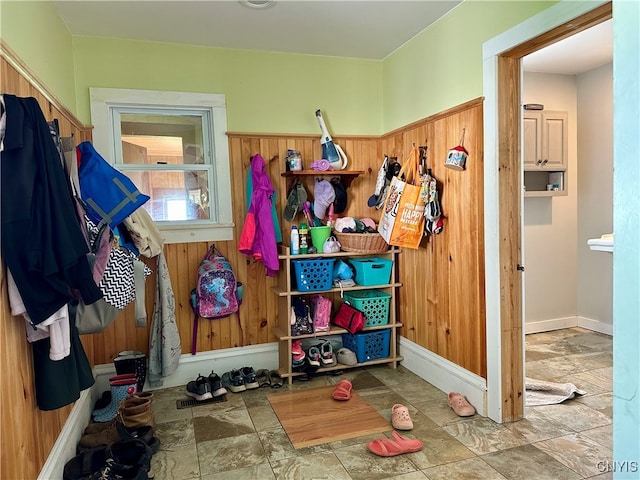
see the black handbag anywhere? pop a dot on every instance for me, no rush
(301, 322)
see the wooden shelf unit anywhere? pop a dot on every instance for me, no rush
(347, 175)
(285, 292)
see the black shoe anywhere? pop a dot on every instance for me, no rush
(199, 389)
(85, 464)
(126, 460)
(144, 433)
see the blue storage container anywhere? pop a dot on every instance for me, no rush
(314, 275)
(372, 271)
(368, 345)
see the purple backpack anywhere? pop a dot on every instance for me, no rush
(216, 294)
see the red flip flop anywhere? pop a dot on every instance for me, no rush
(343, 390)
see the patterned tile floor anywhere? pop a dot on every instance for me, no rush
(243, 439)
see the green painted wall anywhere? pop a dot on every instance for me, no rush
(273, 92)
(265, 92)
(442, 66)
(35, 32)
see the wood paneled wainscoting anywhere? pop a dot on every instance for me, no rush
(442, 302)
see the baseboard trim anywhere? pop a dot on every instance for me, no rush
(595, 325)
(444, 374)
(264, 355)
(66, 444)
(259, 356)
(568, 322)
(550, 325)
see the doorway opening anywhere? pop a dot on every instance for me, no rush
(504, 281)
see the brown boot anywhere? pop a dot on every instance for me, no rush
(145, 395)
(103, 438)
(137, 412)
(97, 427)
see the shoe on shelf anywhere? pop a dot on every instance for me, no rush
(249, 376)
(346, 357)
(326, 354)
(313, 354)
(297, 352)
(199, 389)
(301, 365)
(234, 381)
(215, 385)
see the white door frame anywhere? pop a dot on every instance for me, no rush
(533, 27)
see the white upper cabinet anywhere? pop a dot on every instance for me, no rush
(545, 140)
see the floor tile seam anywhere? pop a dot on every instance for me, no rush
(364, 445)
(580, 435)
(559, 460)
(480, 457)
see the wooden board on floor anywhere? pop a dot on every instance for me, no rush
(311, 416)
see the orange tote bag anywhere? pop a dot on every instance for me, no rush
(402, 220)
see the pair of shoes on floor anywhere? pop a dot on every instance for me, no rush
(387, 447)
(249, 377)
(460, 405)
(400, 418)
(343, 390)
(269, 378)
(240, 380)
(205, 388)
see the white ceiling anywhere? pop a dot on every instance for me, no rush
(360, 29)
(577, 54)
(369, 29)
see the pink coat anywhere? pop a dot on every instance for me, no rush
(258, 237)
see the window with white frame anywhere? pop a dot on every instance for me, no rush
(173, 146)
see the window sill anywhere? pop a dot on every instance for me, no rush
(204, 233)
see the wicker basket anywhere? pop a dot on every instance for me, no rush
(362, 242)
